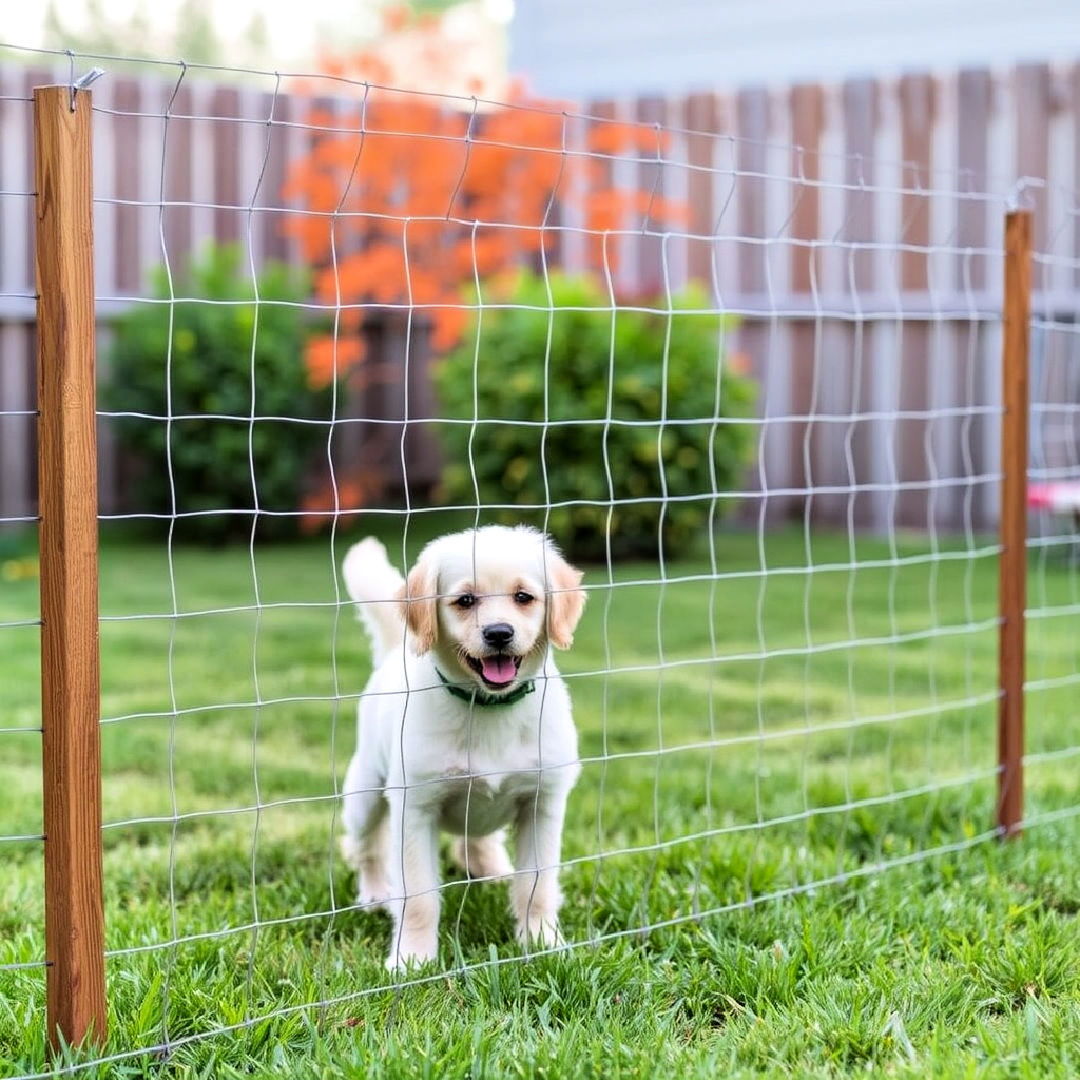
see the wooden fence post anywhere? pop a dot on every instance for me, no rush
(67, 471)
(1012, 594)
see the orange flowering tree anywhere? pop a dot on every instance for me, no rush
(411, 198)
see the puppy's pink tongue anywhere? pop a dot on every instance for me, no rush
(498, 669)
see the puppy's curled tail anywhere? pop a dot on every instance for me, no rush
(374, 584)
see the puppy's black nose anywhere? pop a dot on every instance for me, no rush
(498, 635)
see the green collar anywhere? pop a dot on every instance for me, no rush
(478, 697)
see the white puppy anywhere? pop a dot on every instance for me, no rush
(465, 725)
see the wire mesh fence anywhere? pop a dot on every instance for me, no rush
(22, 962)
(771, 441)
(1053, 550)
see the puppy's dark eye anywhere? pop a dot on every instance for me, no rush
(465, 601)
(523, 598)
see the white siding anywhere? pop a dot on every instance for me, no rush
(598, 48)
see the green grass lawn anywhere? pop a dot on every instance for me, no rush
(820, 794)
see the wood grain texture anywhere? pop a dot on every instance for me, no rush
(1014, 460)
(71, 748)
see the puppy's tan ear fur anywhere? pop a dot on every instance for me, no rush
(419, 606)
(565, 602)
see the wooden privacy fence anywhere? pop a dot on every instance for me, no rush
(844, 225)
(64, 252)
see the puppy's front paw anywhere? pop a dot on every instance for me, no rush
(540, 931)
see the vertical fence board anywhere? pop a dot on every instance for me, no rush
(702, 120)
(196, 138)
(179, 159)
(752, 110)
(601, 177)
(974, 102)
(1032, 104)
(860, 104)
(676, 150)
(106, 210)
(807, 117)
(916, 118)
(31, 78)
(153, 98)
(1073, 92)
(650, 278)
(755, 336)
(254, 141)
(941, 433)
(226, 142)
(16, 208)
(129, 148)
(108, 164)
(269, 223)
(16, 447)
(839, 378)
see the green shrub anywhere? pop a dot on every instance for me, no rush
(595, 364)
(211, 376)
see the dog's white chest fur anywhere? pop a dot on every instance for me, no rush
(474, 770)
(481, 803)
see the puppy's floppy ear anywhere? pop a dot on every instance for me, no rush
(419, 606)
(565, 601)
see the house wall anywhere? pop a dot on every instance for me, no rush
(599, 48)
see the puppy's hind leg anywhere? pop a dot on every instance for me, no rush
(364, 844)
(482, 856)
(373, 882)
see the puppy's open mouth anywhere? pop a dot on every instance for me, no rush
(498, 671)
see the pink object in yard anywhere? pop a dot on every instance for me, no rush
(1062, 498)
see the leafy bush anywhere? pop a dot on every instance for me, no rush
(211, 376)
(596, 363)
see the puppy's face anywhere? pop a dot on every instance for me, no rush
(495, 621)
(489, 602)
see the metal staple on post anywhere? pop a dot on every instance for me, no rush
(84, 82)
